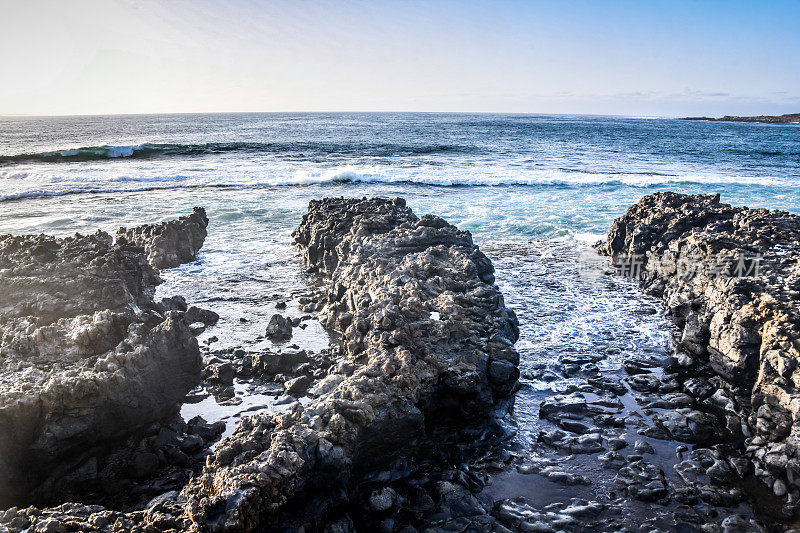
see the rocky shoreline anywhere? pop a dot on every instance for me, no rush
(88, 357)
(789, 118)
(426, 339)
(730, 281)
(404, 423)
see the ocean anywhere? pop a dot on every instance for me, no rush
(535, 191)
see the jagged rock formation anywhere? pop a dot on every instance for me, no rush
(86, 355)
(730, 279)
(427, 338)
(425, 332)
(172, 243)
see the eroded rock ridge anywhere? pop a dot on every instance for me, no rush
(86, 355)
(730, 280)
(172, 243)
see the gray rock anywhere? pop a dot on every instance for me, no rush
(297, 386)
(384, 266)
(172, 243)
(729, 279)
(644, 481)
(88, 357)
(204, 316)
(382, 500)
(279, 328)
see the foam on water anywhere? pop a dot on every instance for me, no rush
(39, 157)
(32, 184)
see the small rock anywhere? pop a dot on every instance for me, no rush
(279, 328)
(143, 465)
(382, 500)
(196, 314)
(298, 385)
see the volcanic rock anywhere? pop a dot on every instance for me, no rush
(172, 243)
(730, 280)
(86, 355)
(388, 270)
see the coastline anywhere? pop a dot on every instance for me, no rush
(789, 118)
(586, 422)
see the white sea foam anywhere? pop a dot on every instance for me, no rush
(588, 237)
(42, 181)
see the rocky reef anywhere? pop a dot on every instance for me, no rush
(730, 281)
(172, 243)
(87, 357)
(789, 118)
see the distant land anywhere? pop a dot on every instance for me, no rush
(791, 118)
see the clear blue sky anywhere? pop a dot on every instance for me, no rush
(629, 58)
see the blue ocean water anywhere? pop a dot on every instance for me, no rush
(535, 191)
(41, 156)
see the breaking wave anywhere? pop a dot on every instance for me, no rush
(29, 184)
(300, 149)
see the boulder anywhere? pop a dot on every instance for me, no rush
(279, 328)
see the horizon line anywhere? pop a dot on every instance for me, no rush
(531, 113)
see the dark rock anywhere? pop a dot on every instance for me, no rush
(174, 303)
(220, 373)
(196, 314)
(143, 464)
(172, 243)
(503, 375)
(279, 328)
(643, 481)
(729, 279)
(192, 443)
(100, 358)
(297, 386)
(385, 267)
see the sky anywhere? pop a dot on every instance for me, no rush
(642, 58)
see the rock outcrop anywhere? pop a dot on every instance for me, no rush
(172, 243)
(86, 356)
(730, 280)
(427, 338)
(789, 118)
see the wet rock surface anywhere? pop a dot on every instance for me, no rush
(389, 274)
(602, 384)
(729, 278)
(87, 356)
(615, 432)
